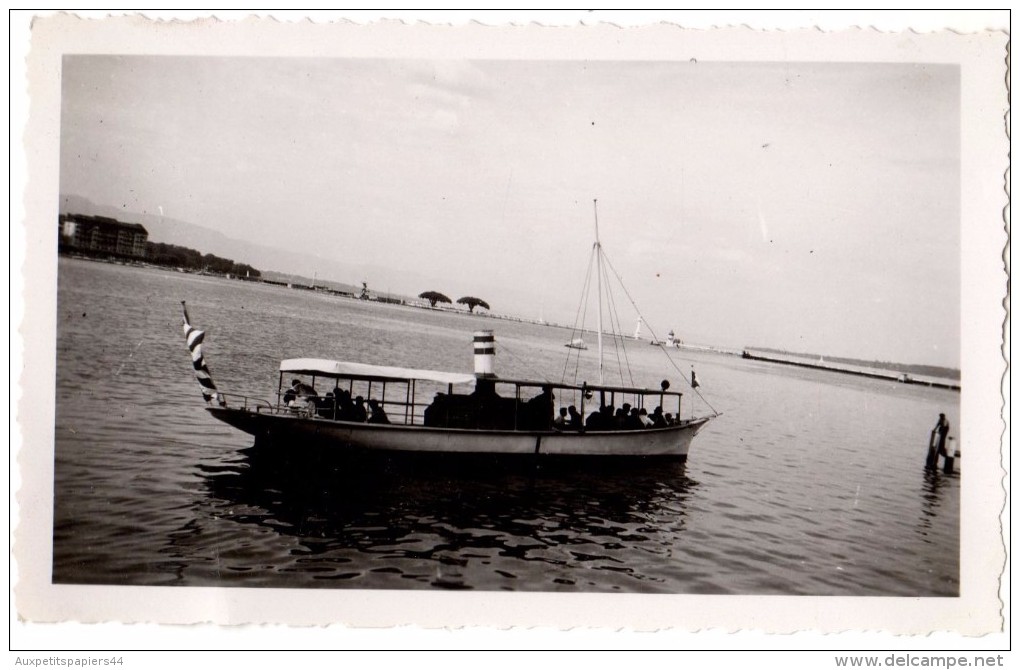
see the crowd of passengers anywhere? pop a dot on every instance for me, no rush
(336, 404)
(533, 414)
(607, 417)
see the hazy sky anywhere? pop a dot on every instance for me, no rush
(807, 206)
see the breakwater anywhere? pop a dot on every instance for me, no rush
(902, 378)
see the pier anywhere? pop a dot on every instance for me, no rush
(902, 378)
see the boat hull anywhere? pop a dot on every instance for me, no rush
(280, 429)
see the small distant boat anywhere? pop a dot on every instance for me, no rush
(576, 343)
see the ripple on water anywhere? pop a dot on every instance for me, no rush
(149, 489)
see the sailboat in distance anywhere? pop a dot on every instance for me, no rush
(576, 343)
(417, 411)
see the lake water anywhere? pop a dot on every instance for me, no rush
(809, 482)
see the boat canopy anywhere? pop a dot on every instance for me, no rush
(328, 368)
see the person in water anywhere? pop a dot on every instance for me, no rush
(939, 433)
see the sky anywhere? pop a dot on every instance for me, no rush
(811, 207)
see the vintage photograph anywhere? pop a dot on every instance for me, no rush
(476, 322)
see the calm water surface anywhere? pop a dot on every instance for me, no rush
(809, 483)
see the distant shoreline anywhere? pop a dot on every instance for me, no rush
(321, 289)
(896, 373)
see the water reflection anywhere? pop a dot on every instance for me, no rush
(438, 520)
(933, 489)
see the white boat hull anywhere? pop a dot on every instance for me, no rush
(671, 441)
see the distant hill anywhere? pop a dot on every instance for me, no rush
(911, 368)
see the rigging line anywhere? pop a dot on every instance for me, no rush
(614, 322)
(582, 313)
(523, 362)
(655, 335)
(623, 347)
(618, 341)
(577, 354)
(693, 388)
(572, 354)
(614, 312)
(651, 330)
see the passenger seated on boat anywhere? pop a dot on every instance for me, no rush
(646, 421)
(378, 414)
(301, 398)
(433, 415)
(633, 420)
(658, 421)
(301, 389)
(327, 405)
(561, 422)
(304, 405)
(620, 417)
(360, 413)
(538, 414)
(601, 419)
(668, 419)
(345, 407)
(576, 420)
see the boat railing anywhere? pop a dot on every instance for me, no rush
(247, 403)
(498, 404)
(516, 412)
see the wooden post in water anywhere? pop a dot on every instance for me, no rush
(950, 462)
(932, 460)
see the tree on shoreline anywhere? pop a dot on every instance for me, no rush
(433, 297)
(172, 255)
(471, 303)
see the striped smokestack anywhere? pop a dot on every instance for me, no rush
(485, 354)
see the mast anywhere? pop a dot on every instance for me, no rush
(598, 268)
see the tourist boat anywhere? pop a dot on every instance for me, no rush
(434, 412)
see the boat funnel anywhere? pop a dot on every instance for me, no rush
(485, 353)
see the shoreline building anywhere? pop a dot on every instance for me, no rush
(102, 234)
